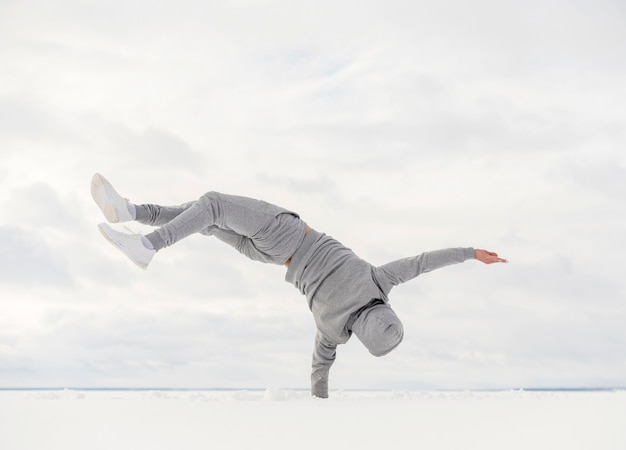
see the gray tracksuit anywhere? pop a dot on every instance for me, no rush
(341, 288)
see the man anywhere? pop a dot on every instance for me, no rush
(345, 293)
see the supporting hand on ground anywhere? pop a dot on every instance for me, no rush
(488, 257)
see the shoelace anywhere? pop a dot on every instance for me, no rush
(133, 234)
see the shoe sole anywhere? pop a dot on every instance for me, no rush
(119, 246)
(98, 192)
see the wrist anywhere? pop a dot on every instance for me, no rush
(319, 386)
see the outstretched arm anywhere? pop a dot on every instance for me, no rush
(406, 269)
(323, 358)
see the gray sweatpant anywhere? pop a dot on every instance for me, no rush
(259, 230)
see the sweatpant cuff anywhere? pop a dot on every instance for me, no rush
(156, 240)
(142, 214)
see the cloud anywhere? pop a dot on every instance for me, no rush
(27, 260)
(19, 118)
(602, 176)
(397, 127)
(135, 347)
(39, 206)
(321, 185)
(156, 147)
(31, 128)
(50, 242)
(201, 268)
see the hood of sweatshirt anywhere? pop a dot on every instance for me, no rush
(379, 329)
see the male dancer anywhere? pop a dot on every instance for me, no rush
(345, 293)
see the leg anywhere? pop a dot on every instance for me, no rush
(118, 209)
(157, 215)
(259, 230)
(242, 216)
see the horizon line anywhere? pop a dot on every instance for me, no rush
(259, 389)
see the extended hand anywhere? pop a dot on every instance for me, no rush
(488, 257)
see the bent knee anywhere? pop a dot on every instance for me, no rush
(209, 196)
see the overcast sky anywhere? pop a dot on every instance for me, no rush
(395, 126)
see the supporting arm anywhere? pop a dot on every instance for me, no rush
(323, 358)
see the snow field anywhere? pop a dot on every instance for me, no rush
(284, 419)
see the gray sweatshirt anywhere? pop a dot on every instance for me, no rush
(338, 285)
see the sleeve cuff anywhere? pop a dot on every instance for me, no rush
(319, 386)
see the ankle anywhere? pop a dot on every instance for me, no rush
(146, 243)
(155, 241)
(132, 210)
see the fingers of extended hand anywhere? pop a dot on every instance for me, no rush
(496, 259)
(489, 257)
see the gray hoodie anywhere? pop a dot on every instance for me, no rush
(347, 294)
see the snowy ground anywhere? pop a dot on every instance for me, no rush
(283, 419)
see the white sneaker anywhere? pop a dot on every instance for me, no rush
(114, 207)
(130, 244)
